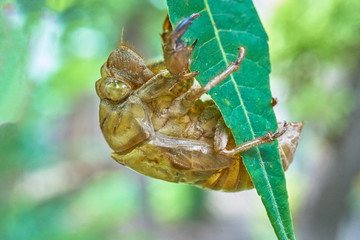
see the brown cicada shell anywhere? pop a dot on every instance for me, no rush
(153, 119)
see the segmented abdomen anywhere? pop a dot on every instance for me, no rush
(232, 179)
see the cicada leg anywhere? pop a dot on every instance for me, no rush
(267, 138)
(182, 104)
(195, 93)
(221, 137)
(176, 52)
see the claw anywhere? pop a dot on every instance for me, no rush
(167, 29)
(193, 44)
(176, 52)
(279, 132)
(181, 28)
(189, 75)
(167, 24)
(241, 55)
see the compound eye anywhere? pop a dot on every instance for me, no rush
(116, 90)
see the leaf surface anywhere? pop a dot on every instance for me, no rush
(244, 98)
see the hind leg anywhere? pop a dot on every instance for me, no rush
(267, 138)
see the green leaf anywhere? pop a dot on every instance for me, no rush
(244, 98)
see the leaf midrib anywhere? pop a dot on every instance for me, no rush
(207, 7)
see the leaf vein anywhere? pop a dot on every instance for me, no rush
(245, 112)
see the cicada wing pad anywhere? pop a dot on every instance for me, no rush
(188, 154)
(174, 159)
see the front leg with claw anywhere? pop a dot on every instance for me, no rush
(176, 52)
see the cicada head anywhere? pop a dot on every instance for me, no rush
(123, 72)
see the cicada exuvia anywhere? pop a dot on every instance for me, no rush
(153, 119)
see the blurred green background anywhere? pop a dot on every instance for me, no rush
(57, 180)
